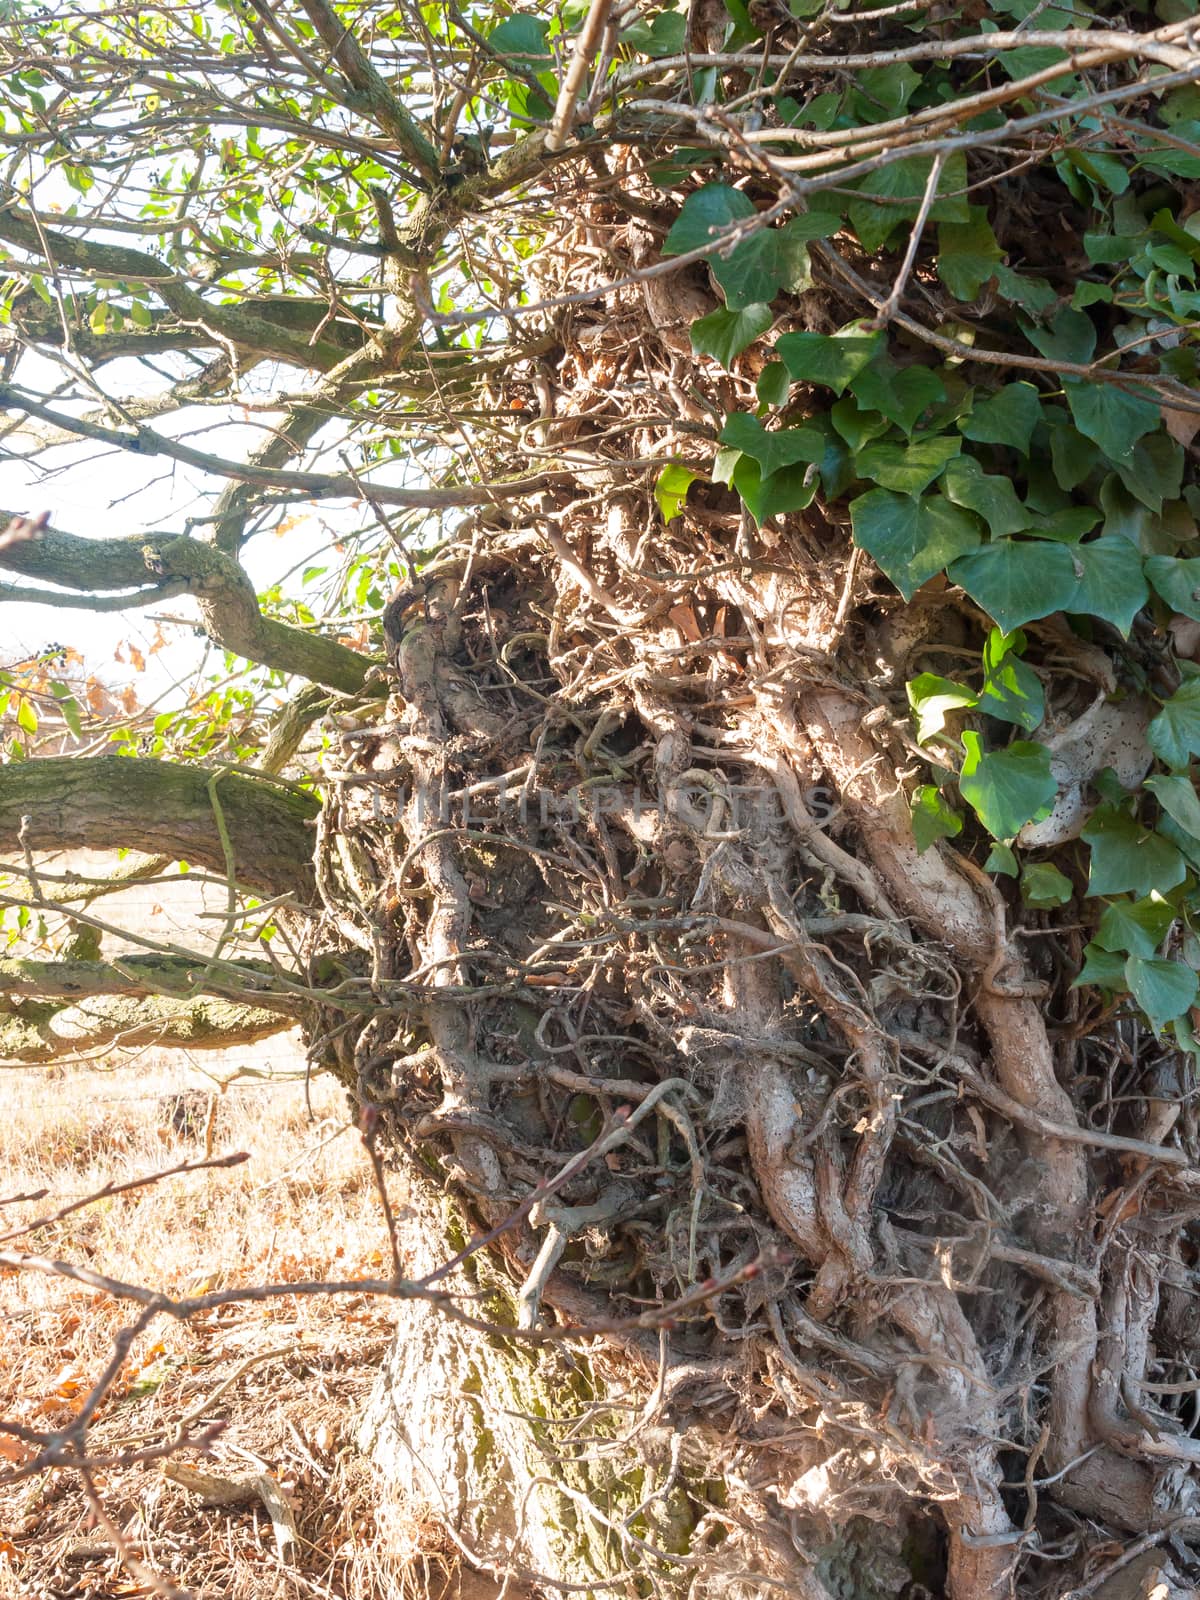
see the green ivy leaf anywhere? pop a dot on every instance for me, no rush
(1106, 249)
(1011, 690)
(856, 426)
(900, 186)
(832, 359)
(1018, 581)
(1068, 525)
(932, 818)
(1006, 788)
(902, 394)
(1007, 417)
(1034, 295)
(1164, 989)
(911, 539)
(1154, 471)
(1071, 455)
(773, 383)
(705, 214)
(789, 489)
(771, 259)
(1090, 294)
(671, 489)
(1043, 886)
(932, 697)
(1174, 734)
(907, 469)
(69, 707)
(1070, 338)
(967, 253)
(724, 334)
(1178, 581)
(759, 265)
(1128, 857)
(772, 450)
(1111, 417)
(1177, 796)
(27, 718)
(663, 36)
(881, 93)
(1110, 581)
(1002, 859)
(1135, 927)
(1101, 968)
(993, 497)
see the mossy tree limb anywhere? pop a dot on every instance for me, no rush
(162, 808)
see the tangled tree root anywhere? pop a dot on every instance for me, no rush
(631, 833)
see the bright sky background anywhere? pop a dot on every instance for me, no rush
(95, 492)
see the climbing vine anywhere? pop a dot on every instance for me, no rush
(1028, 460)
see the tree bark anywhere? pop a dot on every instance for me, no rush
(105, 802)
(41, 1033)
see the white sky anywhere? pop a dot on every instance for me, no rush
(95, 492)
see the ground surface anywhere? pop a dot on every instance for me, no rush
(287, 1380)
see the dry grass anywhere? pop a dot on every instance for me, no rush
(296, 1371)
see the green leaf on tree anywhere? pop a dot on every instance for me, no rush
(1154, 471)
(907, 469)
(1033, 294)
(1135, 927)
(1102, 968)
(1002, 859)
(1177, 796)
(1044, 886)
(1112, 418)
(704, 216)
(911, 539)
(1178, 581)
(789, 489)
(1011, 690)
(932, 818)
(967, 253)
(1007, 417)
(1110, 581)
(993, 497)
(1070, 338)
(931, 698)
(887, 197)
(671, 489)
(881, 93)
(771, 259)
(1164, 989)
(855, 425)
(773, 449)
(902, 394)
(832, 359)
(724, 334)
(1174, 734)
(1006, 788)
(757, 266)
(1068, 525)
(1017, 581)
(773, 383)
(662, 36)
(1128, 857)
